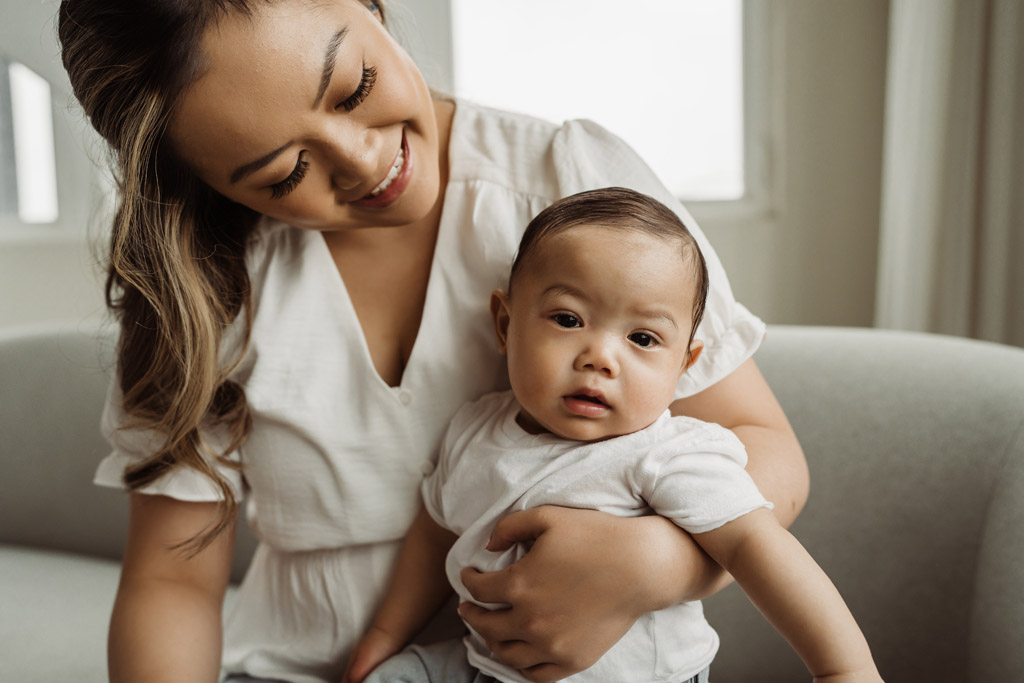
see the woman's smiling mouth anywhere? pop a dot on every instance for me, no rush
(394, 183)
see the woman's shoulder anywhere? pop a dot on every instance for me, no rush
(544, 158)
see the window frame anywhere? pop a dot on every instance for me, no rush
(425, 28)
(84, 191)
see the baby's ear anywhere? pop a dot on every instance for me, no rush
(500, 313)
(696, 347)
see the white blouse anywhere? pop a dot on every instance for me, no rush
(335, 457)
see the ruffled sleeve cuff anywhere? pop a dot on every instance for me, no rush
(133, 446)
(182, 483)
(725, 350)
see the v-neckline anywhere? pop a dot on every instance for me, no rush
(359, 333)
(353, 326)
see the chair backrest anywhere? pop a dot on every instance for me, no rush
(916, 450)
(53, 385)
(915, 444)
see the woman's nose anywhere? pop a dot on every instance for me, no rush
(354, 153)
(598, 355)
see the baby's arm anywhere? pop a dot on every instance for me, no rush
(794, 594)
(419, 587)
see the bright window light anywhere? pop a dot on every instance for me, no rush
(35, 163)
(664, 75)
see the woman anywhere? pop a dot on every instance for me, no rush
(300, 261)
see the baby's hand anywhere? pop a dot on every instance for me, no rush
(376, 646)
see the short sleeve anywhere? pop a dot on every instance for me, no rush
(432, 487)
(589, 157)
(133, 446)
(699, 481)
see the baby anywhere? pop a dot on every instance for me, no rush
(598, 325)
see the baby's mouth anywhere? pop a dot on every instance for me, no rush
(596, 400)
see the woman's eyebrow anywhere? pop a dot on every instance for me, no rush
(330, 59)
(326, 74)
(248, 169)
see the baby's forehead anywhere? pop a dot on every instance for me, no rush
(610, 253)
(626, 240)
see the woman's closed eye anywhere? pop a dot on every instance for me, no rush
(362, 91)
(278, 190)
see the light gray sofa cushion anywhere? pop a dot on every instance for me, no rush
(917, 464)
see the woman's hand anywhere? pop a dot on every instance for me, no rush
(586, 579)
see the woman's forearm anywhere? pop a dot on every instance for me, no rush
(166, 624)
(776, 463)
(164, 631)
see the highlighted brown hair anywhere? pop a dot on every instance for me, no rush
(177, 276)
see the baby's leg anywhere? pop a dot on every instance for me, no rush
(443, 662)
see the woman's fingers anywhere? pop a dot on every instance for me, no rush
(524, 526)
(494, 626)
(489, 587)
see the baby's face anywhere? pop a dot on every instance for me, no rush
(596, 331)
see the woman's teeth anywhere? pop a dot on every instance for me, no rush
(392, 174)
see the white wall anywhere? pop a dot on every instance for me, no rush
(48, 273)
(814, 262)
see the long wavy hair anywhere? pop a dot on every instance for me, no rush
(177, 276)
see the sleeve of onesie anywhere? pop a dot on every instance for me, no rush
(589, 157)
(432, 488)
(700, 484)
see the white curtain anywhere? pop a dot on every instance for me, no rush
(951, 254)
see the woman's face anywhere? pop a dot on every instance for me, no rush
(309, 112)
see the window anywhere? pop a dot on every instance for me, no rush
(28, 173)
(665, 75)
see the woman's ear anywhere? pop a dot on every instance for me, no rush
(696, 346)
(500, 314)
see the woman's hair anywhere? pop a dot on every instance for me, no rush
(618, 207)
(177, 276)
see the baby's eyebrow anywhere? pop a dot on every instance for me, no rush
(657, 315)
(562, 290)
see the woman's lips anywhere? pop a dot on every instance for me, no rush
(392, 187)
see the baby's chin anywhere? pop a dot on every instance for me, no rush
(593, 430)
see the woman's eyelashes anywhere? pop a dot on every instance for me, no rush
(278, 190)
(362, 91)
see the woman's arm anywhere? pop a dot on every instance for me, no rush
(744, 403)
(589, 576)
(166, 624)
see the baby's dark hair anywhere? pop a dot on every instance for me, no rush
(618, 207)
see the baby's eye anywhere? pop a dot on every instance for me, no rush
(566, 320)
(643, 339)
